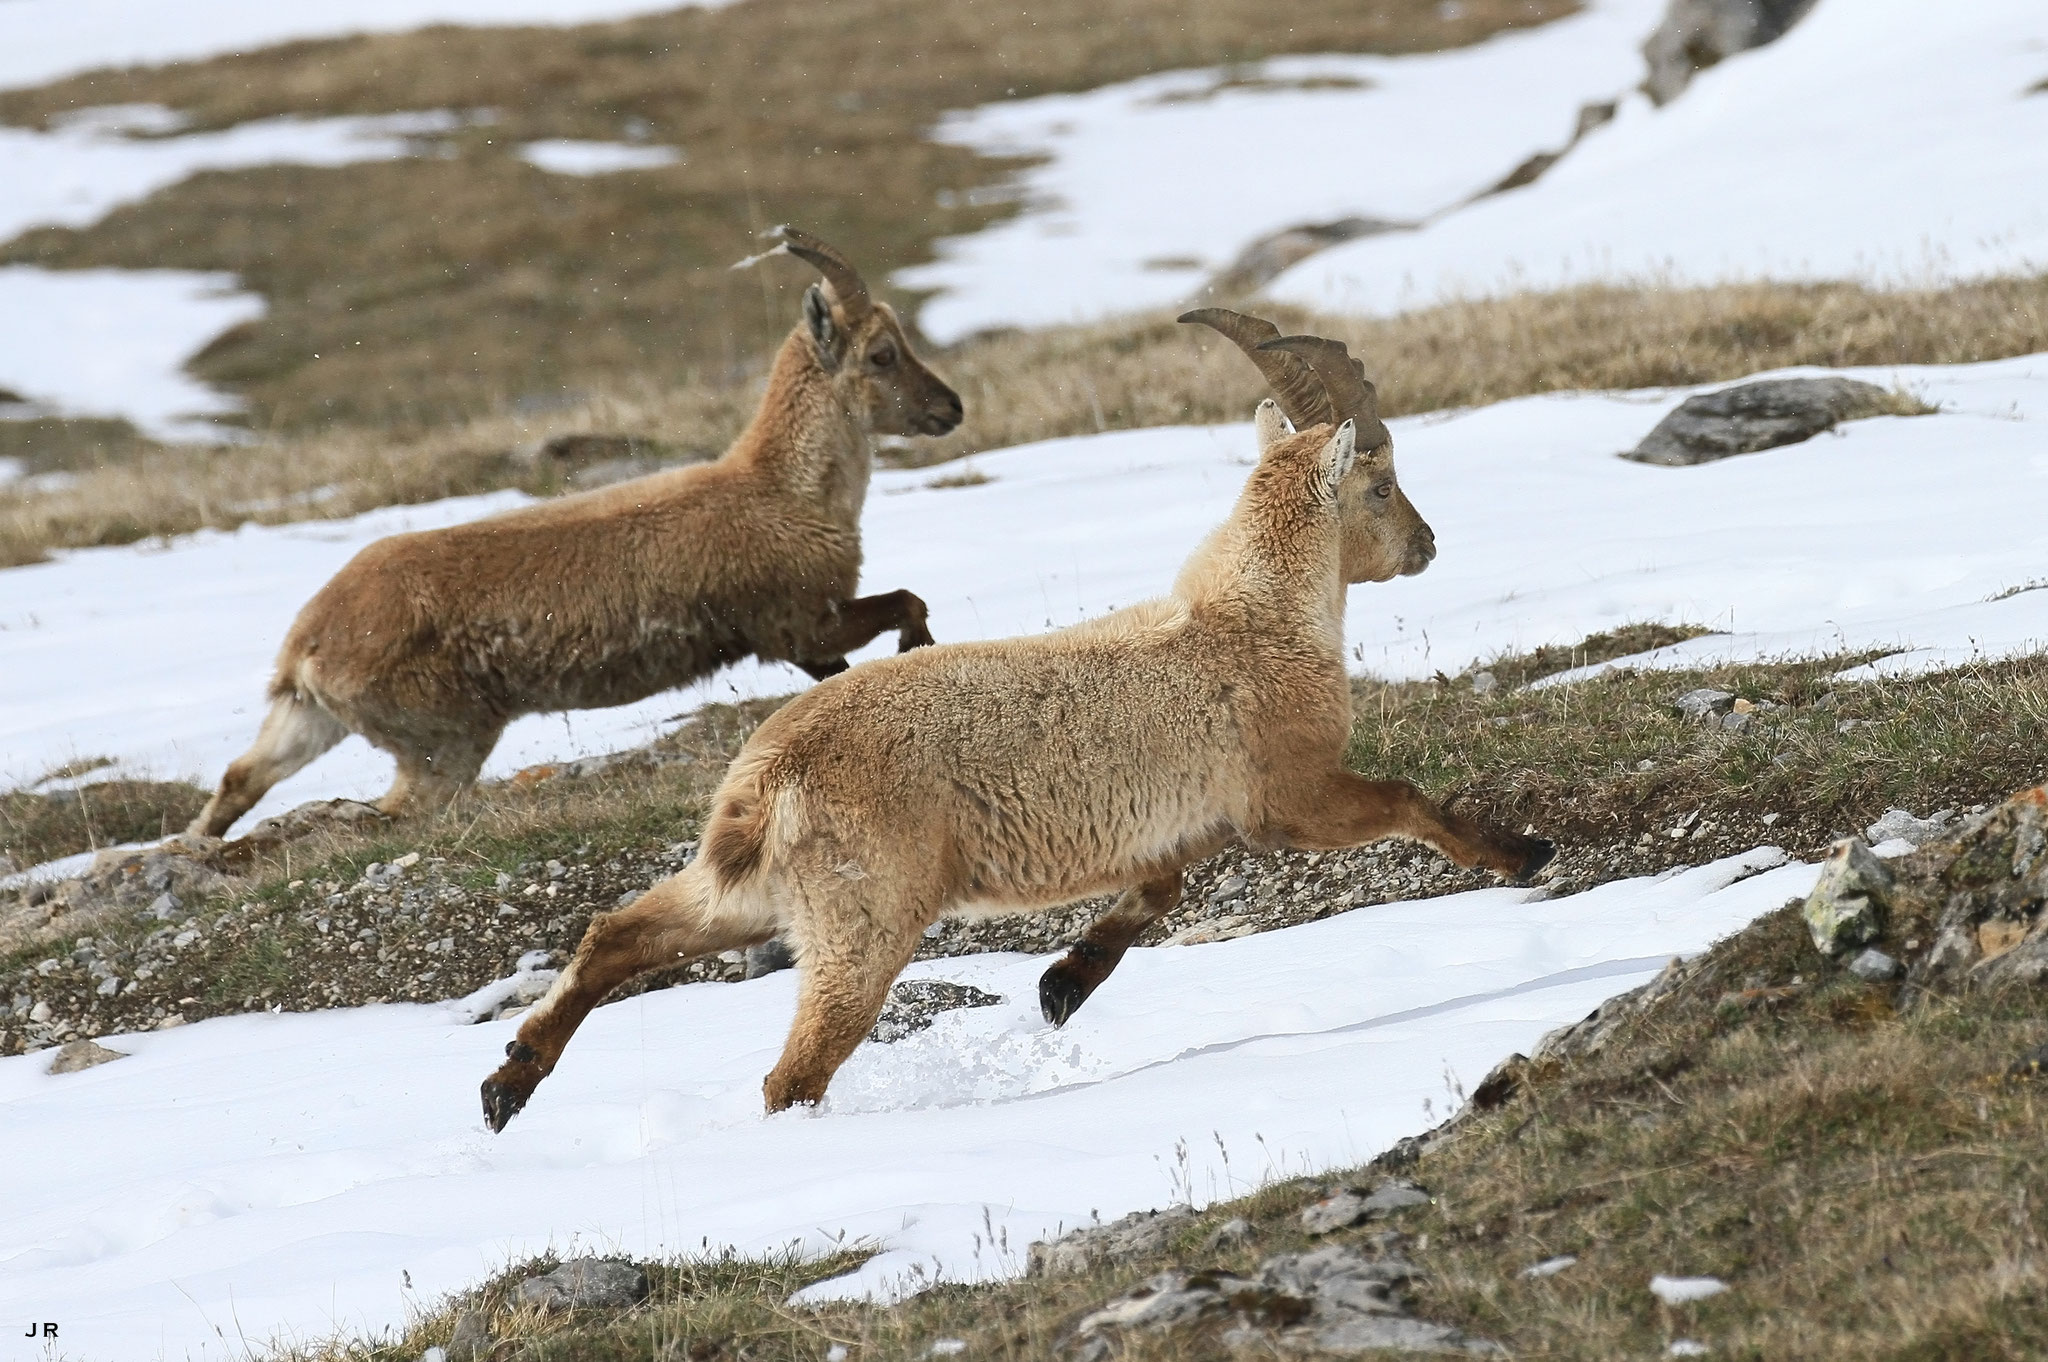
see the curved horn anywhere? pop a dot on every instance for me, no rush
(843, 285)
(1302, 395)
(1351, 393)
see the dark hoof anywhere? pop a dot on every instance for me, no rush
(1061, 992)
(506, 1091)
(1541, 853)
(919, 637)
(819, 671)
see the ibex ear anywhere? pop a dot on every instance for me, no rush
(825, 332)
(1271, 426)
(1336, 459)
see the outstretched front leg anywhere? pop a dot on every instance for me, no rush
(1344, 809)
(1070, 979)
(851, 625)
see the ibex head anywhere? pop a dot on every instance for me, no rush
(1321, 388)
(878, 377)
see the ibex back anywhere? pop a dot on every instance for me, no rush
(429, 644)
(1027, 773)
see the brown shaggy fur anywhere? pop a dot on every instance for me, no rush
(428, 644)
(1027, 773)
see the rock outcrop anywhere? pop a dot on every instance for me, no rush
(1760, 415)
(1696, 34)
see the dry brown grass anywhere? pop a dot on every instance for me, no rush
(408, 294)
(1112, 376)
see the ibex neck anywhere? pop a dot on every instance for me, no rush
(1274, 562)
(802, 438)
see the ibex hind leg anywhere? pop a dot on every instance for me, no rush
(849, 953)
(677, 920)
(294, 732)
(433, 771)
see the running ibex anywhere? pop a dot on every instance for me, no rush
(428, 644)
(1027, 773)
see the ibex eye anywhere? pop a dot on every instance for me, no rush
(882, 356)
(1384, 490)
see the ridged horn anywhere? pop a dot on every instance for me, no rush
(1351, 393)
(844, 287)
(1302, 395)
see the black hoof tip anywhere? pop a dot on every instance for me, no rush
(1060, 995)
(1540, 855)
(501, 1103)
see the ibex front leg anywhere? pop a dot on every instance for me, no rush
(853, 624)
(1066, 985)
(1344, 809)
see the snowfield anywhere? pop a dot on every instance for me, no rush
(252, 1177)
(1230, 156)
(1885, 141)
(47, 40)
(1892, 534)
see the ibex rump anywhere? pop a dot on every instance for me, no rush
(428, 644)
(1028, 773)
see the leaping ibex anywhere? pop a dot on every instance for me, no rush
(1027, 773)
(428, 644)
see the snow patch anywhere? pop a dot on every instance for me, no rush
(280, 1172)
(565, 157)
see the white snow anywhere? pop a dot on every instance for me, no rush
(1154, 184)
(1887, 141)
(46, 40)
(114, 343)
(561, 156)
(261, 1175)
(1685, 1290)
(1890, 534)
(75, 174)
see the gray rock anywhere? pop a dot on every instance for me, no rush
(770, 957)
(1136, 1235)
(1228, 1235)
(1702, 703)
(83, 1054)
(1874, 966)
(1754, 416)
(587, 1284)
(471, 1339)
(1229, 887)
(1735, 723)
(915, 1004)
(1396, 1333)
(1266, 258)
(1696, 34)
(1484, 683)
(1897, 824)
(165, 907)
(1348, 1206)
(1846, 907)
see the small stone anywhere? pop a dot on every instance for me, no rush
(1348, 1207)
(1703, 703)
(1686, 1347)
(109, 986)
(1550, 1267)
(1228, 1235)
(470, 1340)
(40, 1013)
(407, 861)
(1874, 966)
(587, 1284)
(166, 906)
(1736, 722)
(1899, 825)
(1846, 907)
(184, 939)
(83, 1054)
(1229, 887)
(1484, 683)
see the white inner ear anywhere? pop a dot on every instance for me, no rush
(1339, 454)
(1271, 426)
